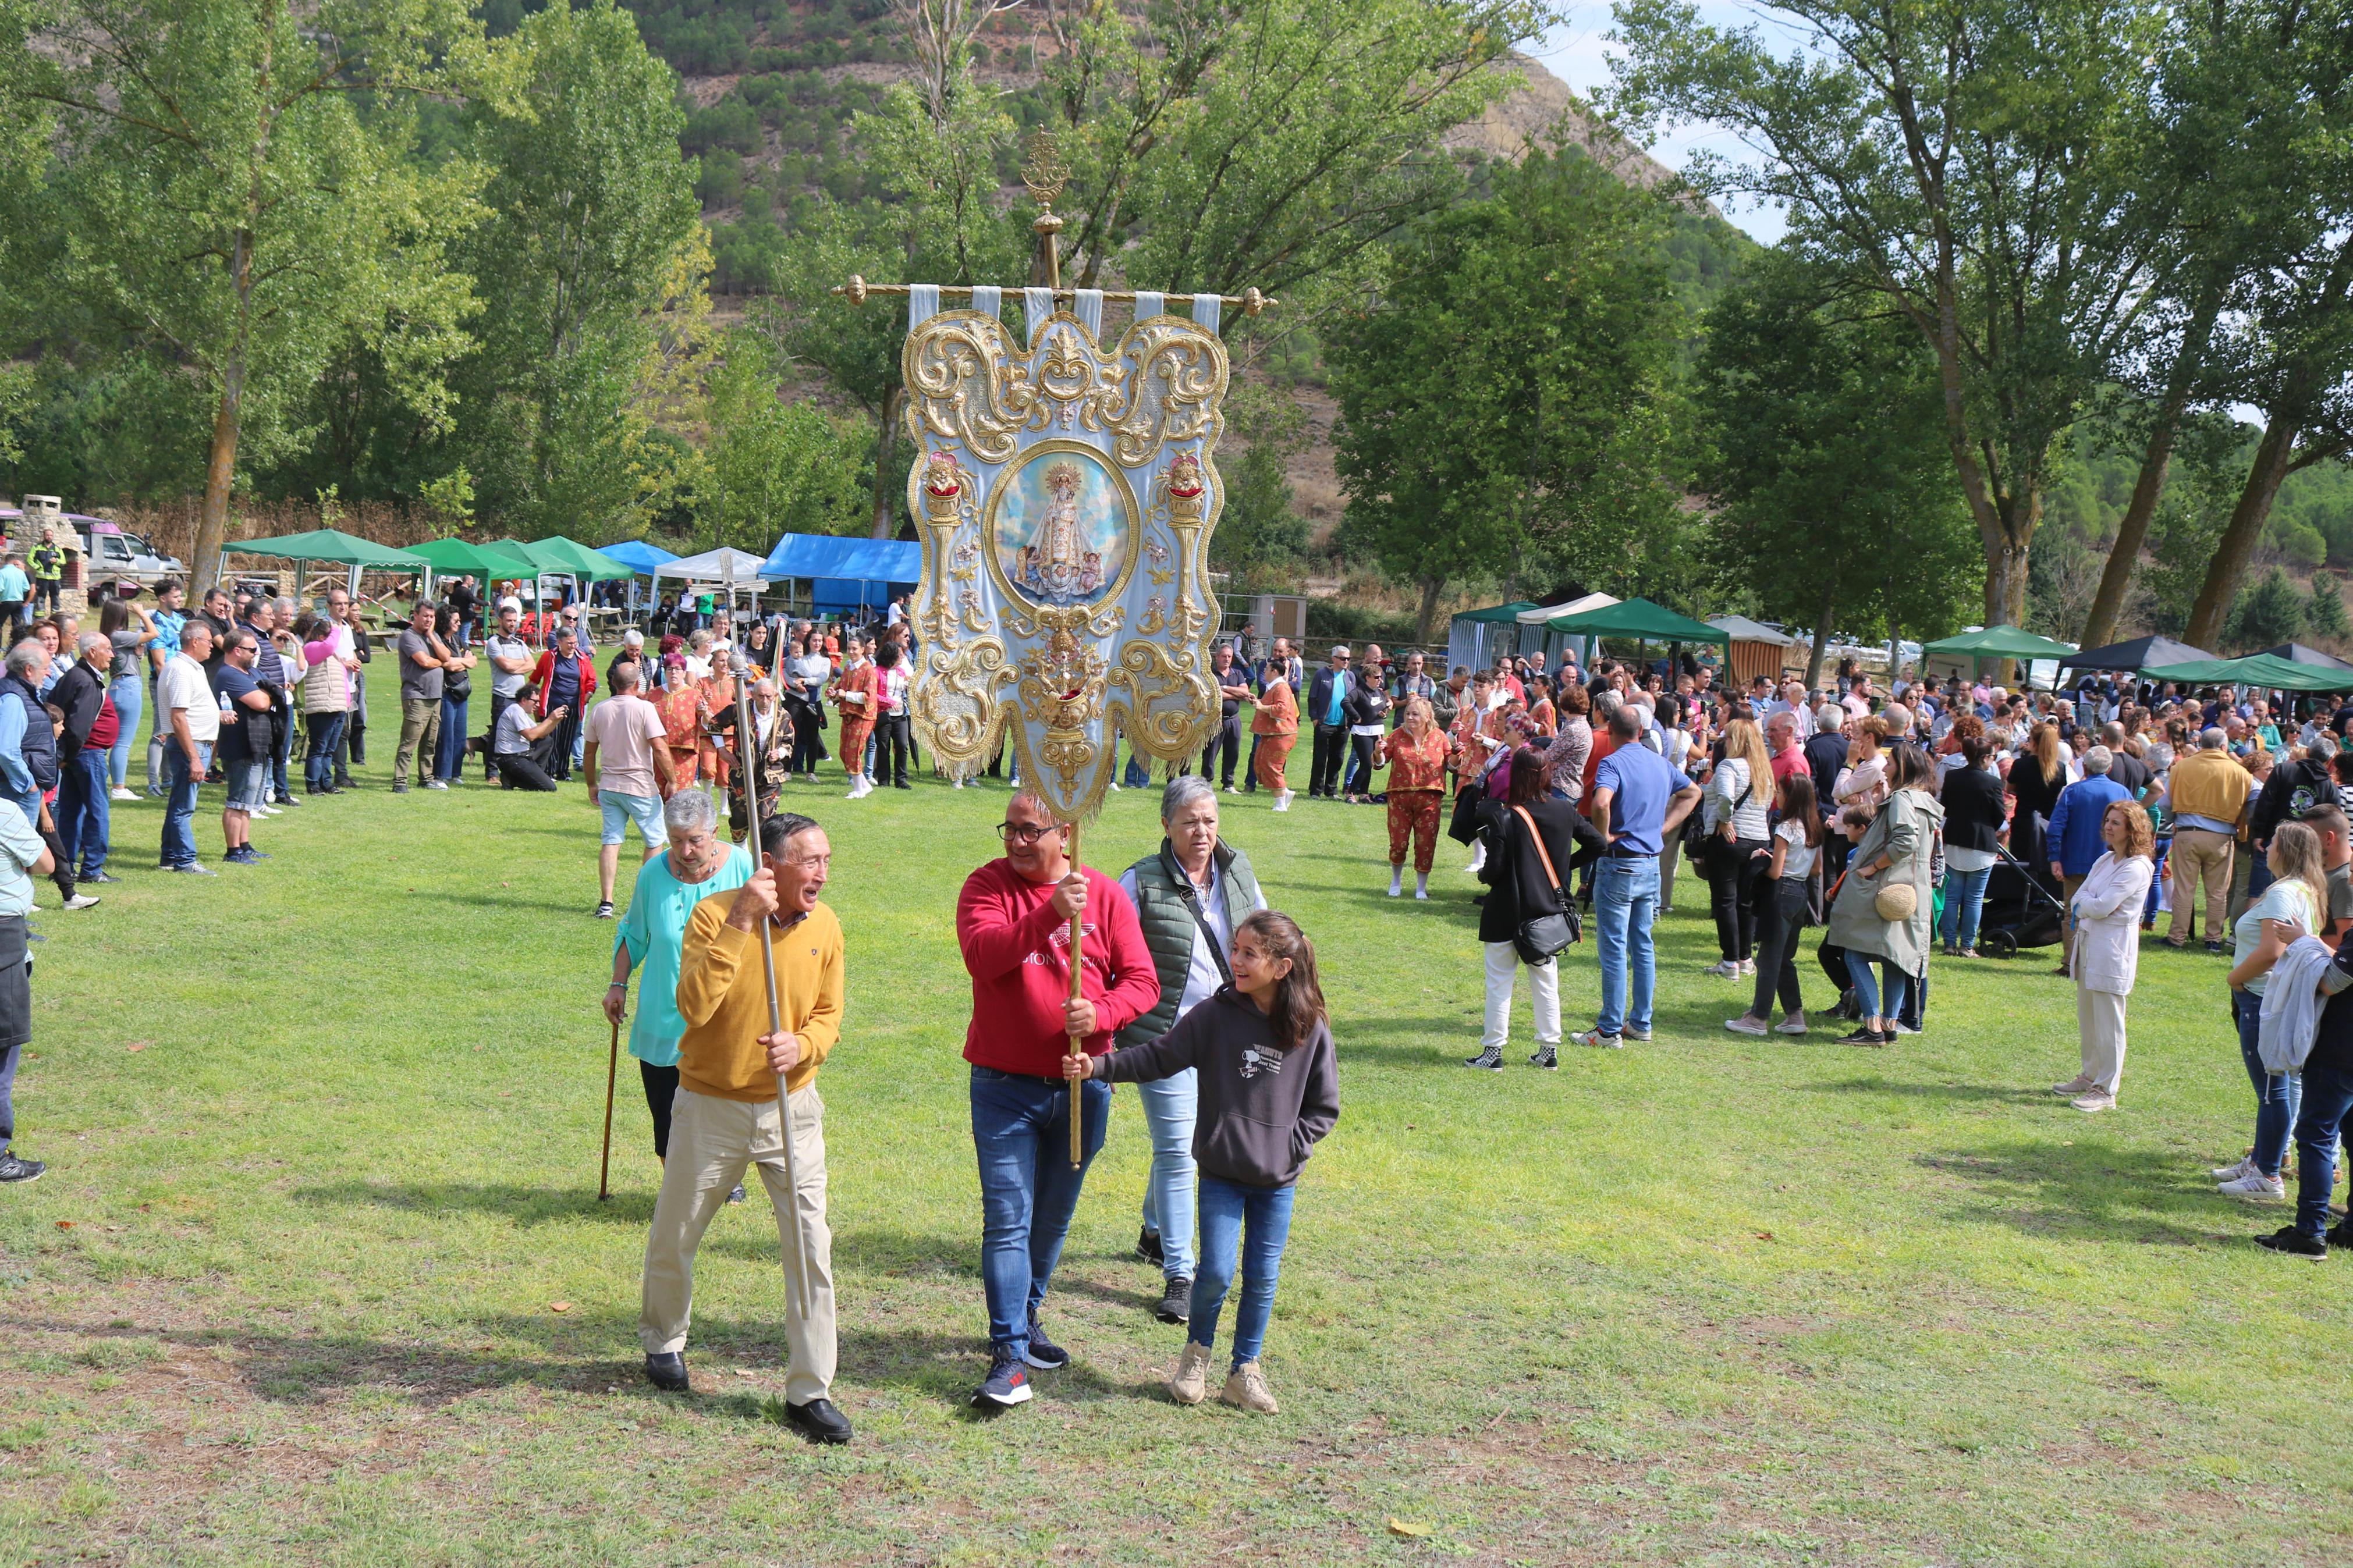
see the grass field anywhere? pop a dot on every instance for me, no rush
(324, 1141)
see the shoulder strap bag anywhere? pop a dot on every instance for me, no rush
(1192, 897)
(1541, 937)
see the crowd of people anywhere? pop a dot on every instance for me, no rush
(1906, 824)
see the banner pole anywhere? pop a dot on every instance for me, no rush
(1078, 935)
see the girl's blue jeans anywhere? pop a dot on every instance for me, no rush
(1250, 1222)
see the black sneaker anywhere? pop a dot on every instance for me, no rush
(13, 1168)
(818, 1420)
(1547, 1059)
(1175, 1302)
(1489, 1061)
(1873, 1037)
(286, 798)
(737, 1196)
(1009, 1381)
(666, 1370)
(1147, 1248)
(2213, 947)
(604, 910)
(1044, 1353)
(2293, 1242)
(96, 879)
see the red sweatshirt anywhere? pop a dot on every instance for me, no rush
(1017, 951)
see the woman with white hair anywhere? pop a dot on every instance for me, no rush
(693, 866)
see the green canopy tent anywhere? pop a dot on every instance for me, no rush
(1640, 620)
(558, 553)
(484, 560)
(1995, 642)
(2267, 671)
(331, 545)
(1498, 614)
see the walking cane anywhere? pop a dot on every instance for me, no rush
(1078, 933)
(740, 666)
(612, 1071)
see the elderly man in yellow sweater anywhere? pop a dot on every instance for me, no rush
(725, 1116)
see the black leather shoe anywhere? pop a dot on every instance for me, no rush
(1175, 1302)
(666, 1370)
(818, 1420)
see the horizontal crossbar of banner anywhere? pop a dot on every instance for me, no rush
(856, 291)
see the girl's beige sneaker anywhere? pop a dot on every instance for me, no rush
(1247, 1387)
(1191, 1384)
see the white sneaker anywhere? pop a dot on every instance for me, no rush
(1114, 788)
(121, 793)
(1422, 893)
(1596, 1040)
(1894, 1027)
(1748, 967)
(1281, 802)
(2079, 1084)
(2245, 1167)
(1745, 1024)
(1233, 789)
(1396, 891)
(268, 810)
(2255, 1184)
(1728, 969)
(2098, 1099)
(80, 902)
(1795, 1024)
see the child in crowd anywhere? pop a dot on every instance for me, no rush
(1270, 1088)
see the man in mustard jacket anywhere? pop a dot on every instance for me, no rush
(725, 1116)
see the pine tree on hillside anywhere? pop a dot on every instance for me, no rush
(2325, 616)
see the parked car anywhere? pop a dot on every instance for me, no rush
(109, 552)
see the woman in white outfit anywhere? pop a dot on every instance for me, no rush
(2107, 951)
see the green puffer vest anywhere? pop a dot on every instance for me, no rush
(1169, 930)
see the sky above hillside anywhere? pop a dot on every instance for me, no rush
(1578, 51)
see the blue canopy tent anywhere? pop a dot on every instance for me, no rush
(846, 574)
(638, 555)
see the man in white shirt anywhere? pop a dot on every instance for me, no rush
(188, 714)
(510, 666)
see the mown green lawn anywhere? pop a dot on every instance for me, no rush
(324, 1141)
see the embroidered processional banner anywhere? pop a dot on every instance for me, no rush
(1065, 493)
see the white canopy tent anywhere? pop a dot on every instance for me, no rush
(732, 570)
(1534, 632)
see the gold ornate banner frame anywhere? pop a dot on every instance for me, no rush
(1065, 496)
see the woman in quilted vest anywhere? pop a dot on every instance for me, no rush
(326, 702)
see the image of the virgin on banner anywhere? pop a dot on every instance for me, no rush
(1065, 493)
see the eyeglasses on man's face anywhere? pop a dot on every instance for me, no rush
(1026, 832)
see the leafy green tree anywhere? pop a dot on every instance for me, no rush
(1977, 164)
(1824, 455)
(232, 180)
(1505, 405)
(595, 262)
(1261, 538)
(2269, 614)
(771, 467)
(1216, 146)
(2324, 612)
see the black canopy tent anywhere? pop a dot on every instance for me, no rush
(2296, 653)
(2137, 655)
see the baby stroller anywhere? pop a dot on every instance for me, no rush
(2021, 908)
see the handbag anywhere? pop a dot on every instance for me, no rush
(1897, 902)
(1547, 934)
(457, 687)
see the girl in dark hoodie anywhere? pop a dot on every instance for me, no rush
(1269, 1087)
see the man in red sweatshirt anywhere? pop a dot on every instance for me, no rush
(1013, 921)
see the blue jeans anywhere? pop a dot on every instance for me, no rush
(1169, 1106)
(82, 811)
(1625, 901)
(1867, 987)
(281, 749)
(1228, 1209)
(129, 695)
(181, 782)
(2276, 1094)
(1138, 775)
(1021, 1130)
(1963, 902)
(2328, 1097)
(319, 757)
(450, 751)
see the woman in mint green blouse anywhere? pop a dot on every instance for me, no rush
(695, 864)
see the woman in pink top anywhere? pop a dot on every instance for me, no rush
(326, 702)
